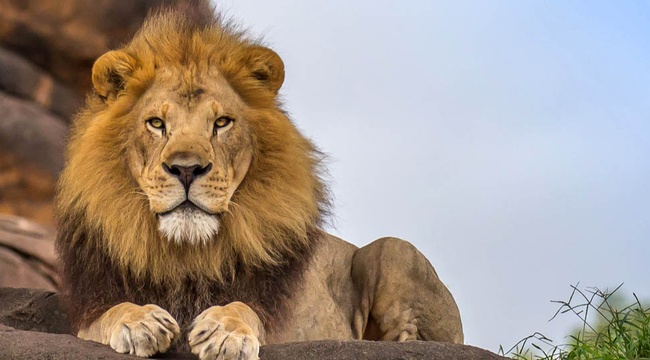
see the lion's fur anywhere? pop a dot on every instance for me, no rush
(275, 212)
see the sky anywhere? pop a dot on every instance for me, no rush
(508, 140)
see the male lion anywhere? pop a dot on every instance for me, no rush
(191, 202)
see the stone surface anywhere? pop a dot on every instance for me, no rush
(25, 189)
(379, 350)
(64, 37)
(37, 311)
(19, 77)
(32, 134)
(32, 310)
(23, 345)
(27, 257)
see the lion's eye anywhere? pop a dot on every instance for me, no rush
(156, 123)
(221, 123)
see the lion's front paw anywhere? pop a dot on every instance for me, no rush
(223, 338)
(144, 331)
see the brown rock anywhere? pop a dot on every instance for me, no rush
(25, 189)
(378, 350)
(27, 257)
(28, 238)
(23, 345)
(20, 78)
(32, 134)
(65, 37)
(33, 310)
(18, 271)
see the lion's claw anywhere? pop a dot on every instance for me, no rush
(226, 339)
(153, 333)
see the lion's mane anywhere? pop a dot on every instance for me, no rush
(108, 240)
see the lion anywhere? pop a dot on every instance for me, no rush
(191, 209)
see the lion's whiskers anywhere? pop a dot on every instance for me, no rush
(234, 204)
(139, 192)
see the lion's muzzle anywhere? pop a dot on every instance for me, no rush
(189, 221)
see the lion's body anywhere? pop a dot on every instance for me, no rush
(371, 293)
(162, 204)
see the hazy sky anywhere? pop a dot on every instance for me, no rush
(508, 140)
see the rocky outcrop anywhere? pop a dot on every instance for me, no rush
(65, 37)
(47, 49)
(32, 310)
(35, 328)
(25, 190)
(32, 134)
(26, 254)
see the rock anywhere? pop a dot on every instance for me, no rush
(27, 257)
(377, 350)
(22, 345)
(28, 238)
(20, 78)
(16, 270)
(32, 134)
(65, 37)
(32, 310)
(25, 189)
(37, 311)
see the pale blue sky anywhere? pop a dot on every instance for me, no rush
(508, 140)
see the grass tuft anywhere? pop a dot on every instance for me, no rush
(608, 331)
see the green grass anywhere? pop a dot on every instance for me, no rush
(608, 330)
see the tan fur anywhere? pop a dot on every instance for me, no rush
(268, 275)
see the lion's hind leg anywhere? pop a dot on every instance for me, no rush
(401, 296)
(133, 329)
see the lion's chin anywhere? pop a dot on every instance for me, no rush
(188, 225)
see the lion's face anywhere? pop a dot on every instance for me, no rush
(191, 148)
(184, 142)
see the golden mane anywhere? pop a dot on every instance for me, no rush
(276, 210)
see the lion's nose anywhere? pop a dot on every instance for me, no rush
(187, 174)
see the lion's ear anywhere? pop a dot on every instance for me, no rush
(110, 72)
(266, 66)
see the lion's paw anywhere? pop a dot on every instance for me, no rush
(144, 331)
(223, 338)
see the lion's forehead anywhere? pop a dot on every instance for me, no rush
(188, 87)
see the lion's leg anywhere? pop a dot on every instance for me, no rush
(133, 329)
(233, 331)
(402, 297)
